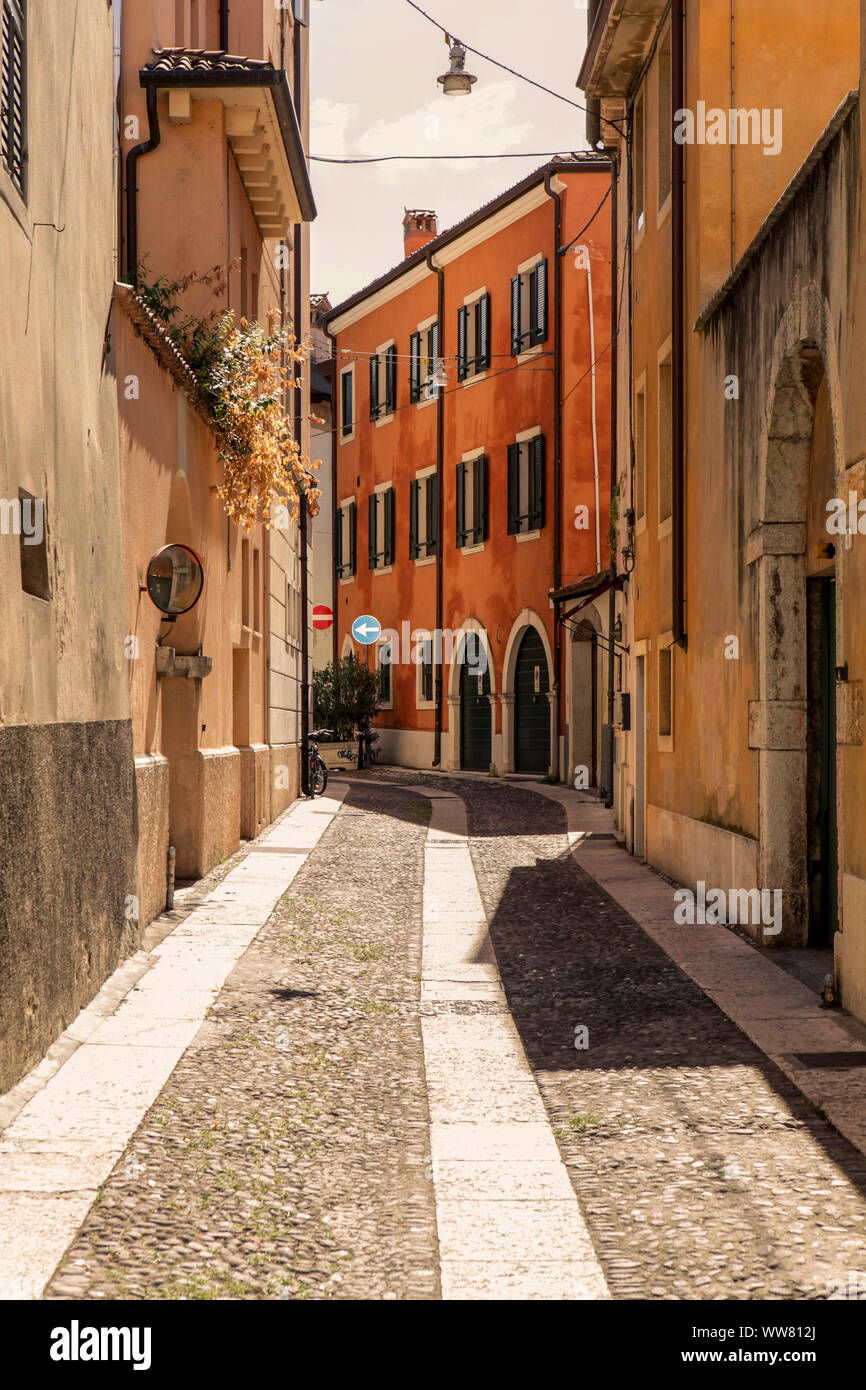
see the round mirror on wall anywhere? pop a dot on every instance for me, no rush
(175, 579)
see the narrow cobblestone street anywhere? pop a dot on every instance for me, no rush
(289, 1153)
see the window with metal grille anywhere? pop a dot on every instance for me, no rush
(529, 308)
(526, 486)
(473, 338)
(12, 92)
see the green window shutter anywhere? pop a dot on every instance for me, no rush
(388, 545)
(515, 316)
(391, 380)
(462, 336)
(482, 333)
(513, 489)
(432, 483)
(338, 541)
(539, 303)
(346, 402)
(372, 549)
(374, 388)
(353, 526)
(414, 490)
(415, 367)
(427, 671)
(536, 483)
(434, 345)
(460, 508)
(479, 483)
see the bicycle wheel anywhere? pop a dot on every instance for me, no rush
(320, 778)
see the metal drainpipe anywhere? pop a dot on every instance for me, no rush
(224, 26)
(440, 547)
(297, 272)
(614, 367)
(131, 187)
(677, 331)
(557, 460)
(335, 588)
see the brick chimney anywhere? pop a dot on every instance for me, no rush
(419, 227)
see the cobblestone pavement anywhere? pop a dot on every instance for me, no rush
(287, 1155)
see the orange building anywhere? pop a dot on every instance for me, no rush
(472, 467)
(212, 100)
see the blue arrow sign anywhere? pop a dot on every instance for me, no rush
(366, 629)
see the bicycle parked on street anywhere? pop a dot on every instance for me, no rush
(318, 773)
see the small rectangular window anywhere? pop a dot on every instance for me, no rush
(423, 517)
(380, 538)
(665, 441)
(385, 661)
(427, 670)
(473, 338)
(665, 691)
(529, 308)
(33, 541)
(344, 540)
(471, 509)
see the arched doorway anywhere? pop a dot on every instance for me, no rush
(532, 707)
(792, 723)
(475, 718)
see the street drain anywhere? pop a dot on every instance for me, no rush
(832, 1060)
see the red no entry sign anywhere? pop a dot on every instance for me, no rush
(323, 617)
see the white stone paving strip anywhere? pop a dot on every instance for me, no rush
(65, 1141)
(509, 1223)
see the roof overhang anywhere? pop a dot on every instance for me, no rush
(618, 45)
(262, 128)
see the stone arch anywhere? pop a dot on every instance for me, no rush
(804, 357)
(526, 619)
(452, 737)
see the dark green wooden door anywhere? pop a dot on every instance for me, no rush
(531, 706)
(475, 728)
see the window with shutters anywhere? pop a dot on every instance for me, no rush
(526, 485)
(640, 453)
(423, 356)
(424, 689)
(347, 403)
(639, 162)
(380, 533)
(666, 455)
(423, 514)
(383, 383)
(345, 530)
(471, 501)
(473, 336)
(529, 307)
(13, 93)
(665, 119)
(385, 658)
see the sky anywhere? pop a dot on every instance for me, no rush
(373, 89)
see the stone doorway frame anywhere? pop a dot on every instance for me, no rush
(451, 735)
(804, 354)
(526, 619)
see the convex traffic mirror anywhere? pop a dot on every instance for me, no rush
(175, 579)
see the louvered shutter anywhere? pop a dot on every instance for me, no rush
(539, 305)
(348, 421)
(388, 545)
(414, 547)
(12, 92)
(415, 367)
(434, 350)
(432, 483)
(460, 507)
(374, 388)
(371, 535)
(462, 339)
(513, 489)
(353, 527)
(515, 316)
(536, 483)
(338, 541)
(479, 482)
(391, 380)
(482, 338)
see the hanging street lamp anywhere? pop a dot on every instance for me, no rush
(456, 81)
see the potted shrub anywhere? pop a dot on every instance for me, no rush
(345, 699)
